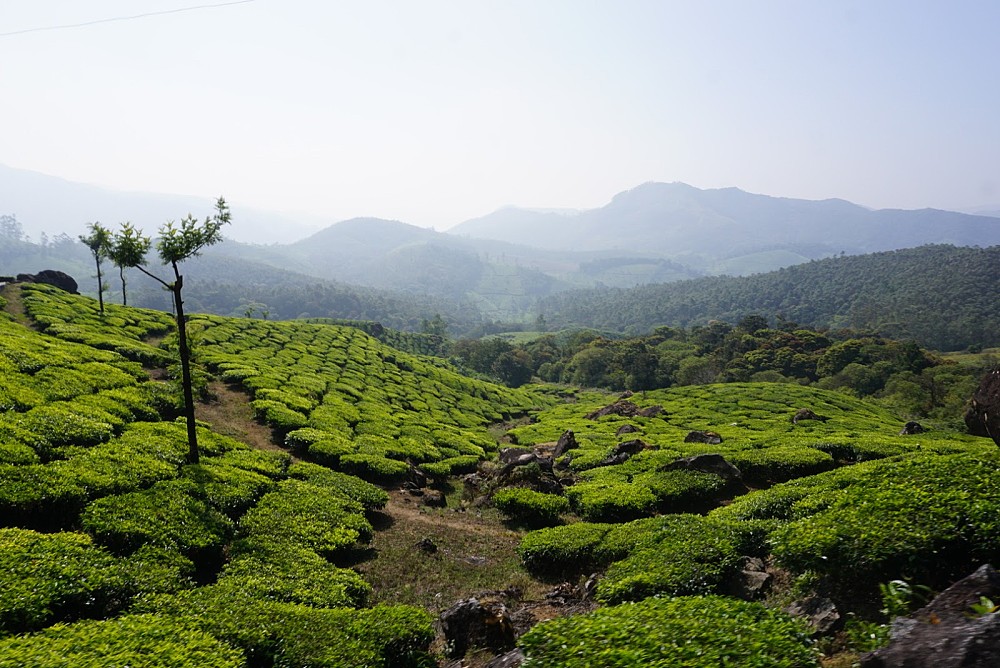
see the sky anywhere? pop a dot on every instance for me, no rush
(437, 111)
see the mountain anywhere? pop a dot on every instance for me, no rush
(55, 206)
(729, 230)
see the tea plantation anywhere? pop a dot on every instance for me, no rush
(115, 551)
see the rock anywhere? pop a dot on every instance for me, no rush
(750, 581)
(806, 414)
(427, 545)
(626, 429)
(947, 632)
(622, 407)
(651, 411)
(622, 452)
(706, 463)
(820, 613)
(415, 478)
(565, 443)
(512, 659)
(509, 455)
(469, 624)
(434, 499)
(627, 394)
(983, 414)
(911, 428)
(61, 280)
(708, 437)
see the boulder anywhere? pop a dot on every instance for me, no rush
(707, 437)
(472, 624)
(952, 631)
(806, 414)
(622, 452)
(512, 659)
(622, 407)
(706, 463)
(983, 414)
(434, 499)
(626, 429)
(60, 279)
(912, 428)
(651, 411)
(750, 581)
(427, 545)
(565, 443)
(510, 455)
(820, 613)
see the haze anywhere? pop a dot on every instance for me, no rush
(439, 111)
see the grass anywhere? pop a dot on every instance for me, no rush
(475, 553)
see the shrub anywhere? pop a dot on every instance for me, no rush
(529, 506)
(277, 415)
(351, 487)
(140, 641)
(780, 463)
(570, 548)
(48, 577)
(228, 489)
(111, 468)
(679, 491)
(694, 632)
(39, 496)
(611, 501)
(265, 462)
(374, 468)
(307, 515)
(166, 515)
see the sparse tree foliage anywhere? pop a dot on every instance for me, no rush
(99, 243)
(176, 244)
(128, 249)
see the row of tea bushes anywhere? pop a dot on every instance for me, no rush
(341, 398)
(123, 330)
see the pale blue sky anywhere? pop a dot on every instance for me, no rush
(432, 112)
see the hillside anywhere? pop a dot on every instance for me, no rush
(321, 548)
(941, 296)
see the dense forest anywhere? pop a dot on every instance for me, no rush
(940, 296)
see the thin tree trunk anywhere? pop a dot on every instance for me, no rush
(121, 273)
(100, 285)
(192, 433)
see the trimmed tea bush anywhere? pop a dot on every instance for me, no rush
(137, 641)
(694, 632)
(570, 548)
(375, 468)
(48, 577)
(780, 463)
(529, 506)
(351, 487)
(39, 496)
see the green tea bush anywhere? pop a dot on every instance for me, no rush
(351, 487)
(39, 496)
(571, 548)
(294, 401)
(608, 501)
(167, 515)
(374, 468)
(682, 491)
(282, 571)
(694, 632)
(277, 415)
(274, 465)
(682, 554)
(17, 453)
(158, 570)
(58, 424)
(49, 577)
(906, 517)
(111, 468)
(228, 489)
(530, 507)
(780, 463)
(137, 641)
(308, 515)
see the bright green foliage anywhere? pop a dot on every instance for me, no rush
(48, 577)
(529, 506)
(282, 571)
(112, 468)
(278, 415)
(289, 635)
(780, 463)
(309, 515)
(609, 501)
(137, 641)
(169, 514)
(226, 488)
(351, 487)
(158, 570)
(374, 467)
(694, 632)
(570, 548)
(926, 517)
(39, 496)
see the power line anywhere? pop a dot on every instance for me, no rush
(124, 18)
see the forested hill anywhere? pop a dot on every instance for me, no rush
(942, 296)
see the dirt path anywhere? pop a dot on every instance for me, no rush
(230, 414)
(15, 306)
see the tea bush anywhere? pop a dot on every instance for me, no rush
(529, 506)
(351, 487)
(571, 548)
(693, 632)
(138, 641)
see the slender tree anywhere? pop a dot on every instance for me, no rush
(176, 244)
(99, 243)
(128, 249)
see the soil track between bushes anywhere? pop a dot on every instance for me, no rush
(230, 414)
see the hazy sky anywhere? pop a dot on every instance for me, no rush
(432, 112)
